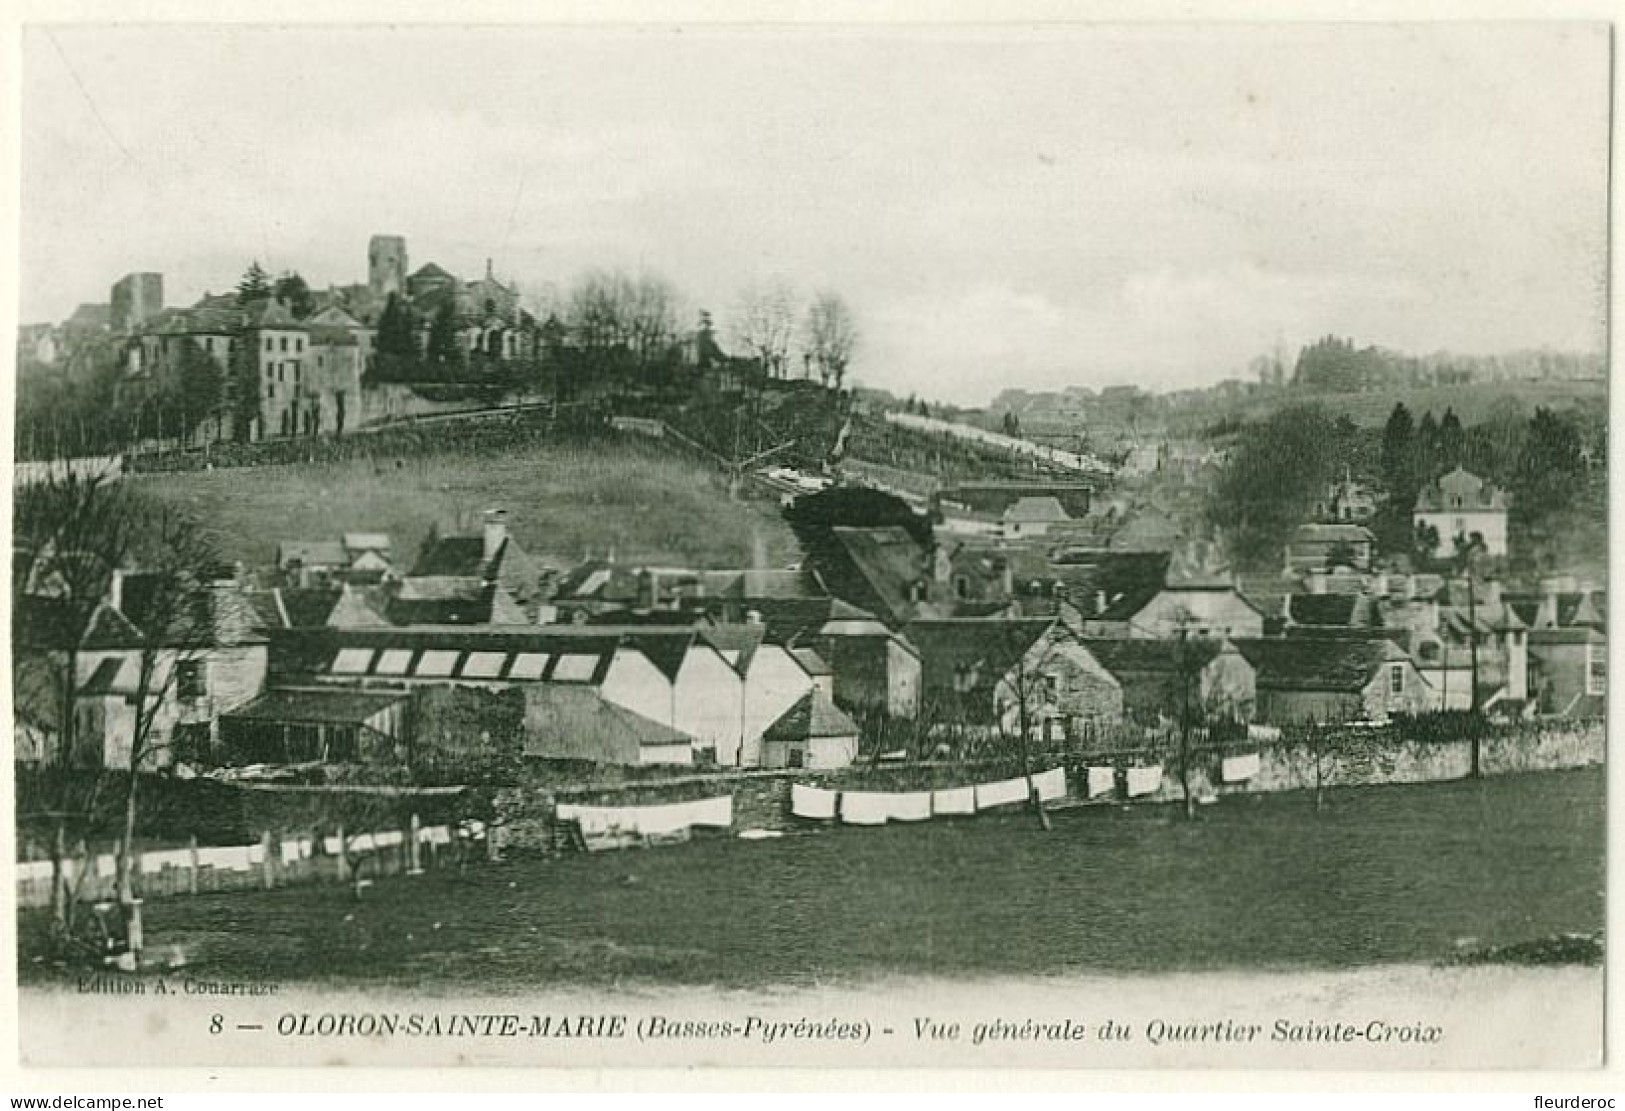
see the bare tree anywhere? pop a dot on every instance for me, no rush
(1342, 754)
(71, 532)
(764, 323)
(594, 311)
(1027, 699)
(830, 336)
(74, 537)
(611, 310)
(175, 625)
(652, 307)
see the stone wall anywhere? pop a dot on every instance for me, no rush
(762, 798)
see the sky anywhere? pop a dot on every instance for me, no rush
(1041, 208)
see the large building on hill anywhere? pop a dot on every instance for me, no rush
(306, 367)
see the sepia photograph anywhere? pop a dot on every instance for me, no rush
(1067, 546)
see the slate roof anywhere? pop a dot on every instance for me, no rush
(1344, 664)
(312, 606)
(312, 553)
(1576, 634)
(875, 568)
(983, 647)
(1125, 655)
(736, 643)
(332, 335)
(1129, 581)
(1329, 609)
(1476, 494)
(813, 715)
(574, 723)
(324, 705)
(452, 556)
(811, 662)
(1036, 511)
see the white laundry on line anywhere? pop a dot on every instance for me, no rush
(1002, 793)
(1143, 781)
(1101, 781)
(1050, 785)
(660, 818)
(865, 808)
(812, 802)
(1238, 768)
(954, 800)
(914, 806)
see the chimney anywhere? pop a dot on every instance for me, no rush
(115, 589)
(1008, 579)
(1100, 602)
(496, 532)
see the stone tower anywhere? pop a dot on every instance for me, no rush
(386, 265)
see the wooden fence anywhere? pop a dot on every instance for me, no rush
(274, 861)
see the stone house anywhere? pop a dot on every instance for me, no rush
(990, 673)
(1163, 679)
(1334, 679)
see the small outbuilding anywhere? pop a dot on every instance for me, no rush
(813, 733)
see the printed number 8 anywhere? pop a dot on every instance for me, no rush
(216, 1023)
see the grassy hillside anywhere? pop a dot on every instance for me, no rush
(565, 499)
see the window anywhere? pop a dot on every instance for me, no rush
(352, 661)
(270, 393)
(394, 661)
(484, 665)
(1052, 688)
(191, 681)
(1396, 678)
(1596, 669)
(436, 663)
(795, 759)
(528, 665)
(268, 344)
(575, 668)
(284, 343)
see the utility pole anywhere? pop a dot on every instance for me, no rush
(1182, 662)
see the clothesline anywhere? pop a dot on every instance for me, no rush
(871, 808)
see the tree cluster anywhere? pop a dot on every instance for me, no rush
(1279, 468)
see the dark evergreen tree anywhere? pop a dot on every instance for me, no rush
(1427, 449)
(1551, 467)
(444, 350)
(396, 334)
(1277, 470)
(254, 286)
(1400, 482)
(1451, 441)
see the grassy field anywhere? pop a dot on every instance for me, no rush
(1385, 875)
(564, 499)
